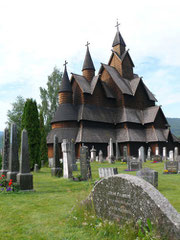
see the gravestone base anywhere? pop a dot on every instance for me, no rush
(12, 175)
(74, 167)
(57, 172)
(111, 159)
(25, 181)
(3, 172)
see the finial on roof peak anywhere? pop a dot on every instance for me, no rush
(87, 44)
(117, 25)
(65, 63)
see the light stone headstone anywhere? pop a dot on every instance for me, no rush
(171, 166)
(56, 170)
(125, 153)
(148, 175)
(111, 157)
(164, 157)
(176, 153)
(101, 159)
(93, 154)
(107, 172)
(156, 151)
(24, 177)
(36, 167)
(73, 153)
(50, 161)
(67, 159)
(117, 151)
(149, 154)
(5, 153)
(141, 154)
(13, 155)
(171, 155)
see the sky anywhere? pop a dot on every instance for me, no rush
(37, 35)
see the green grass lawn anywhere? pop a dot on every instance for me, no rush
(45, 213)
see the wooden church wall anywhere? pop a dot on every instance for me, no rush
(116, 63)
(78, 97)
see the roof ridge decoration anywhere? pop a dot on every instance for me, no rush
(88, 63)
(65, 85)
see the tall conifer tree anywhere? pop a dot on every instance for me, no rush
(43, 145)
(30, 122)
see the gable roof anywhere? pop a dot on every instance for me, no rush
(82, 82)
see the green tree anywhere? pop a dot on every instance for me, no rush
(43, 144)
(49, 97)
(30, 122)
(15, 115)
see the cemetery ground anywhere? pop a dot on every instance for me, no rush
(52, 211)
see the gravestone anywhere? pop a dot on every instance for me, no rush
(101, 159)
(111, 157)
(171, 155)
(176, 153)
(67, 159)
(125, 153)
(85, 163)
(141, 154)
(5, 153)
(36, 167)
(156, 151)
(56, 170)
(164, 157)
(171, 167)
(42, 163)
(93, 154)
(117, 152)
(73, 153)
(148, 175)
(133, 164)
(107, 172)
(24, 177)
(13, 155)
(149, 154)
(125, 198)
(50, 160)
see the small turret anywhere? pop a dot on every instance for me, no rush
(65, 90)
(118, 45)
(88, 66)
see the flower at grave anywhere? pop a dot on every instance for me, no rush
(10, 183)
(165, 170)
(3, 175)
(8, 189)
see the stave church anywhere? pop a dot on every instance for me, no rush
(115, 104)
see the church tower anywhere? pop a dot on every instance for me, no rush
(118, 45)
(88, 66)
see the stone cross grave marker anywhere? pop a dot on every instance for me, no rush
(24, 177)
(107, 172)
(5, 153)
(93, 154)
(56, 170)
(67, 159)
(13, 155)
(148, 175)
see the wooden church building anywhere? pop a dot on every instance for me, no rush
(115, 104)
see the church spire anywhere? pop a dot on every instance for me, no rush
(118, 43)
(88, 66)
(65, 91)
(65, 83)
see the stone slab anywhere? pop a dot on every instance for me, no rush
(25, 181)
(148, 175)
(107, 172)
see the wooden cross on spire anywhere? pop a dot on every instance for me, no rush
(87, 44)
(117, 25)
(65, 63)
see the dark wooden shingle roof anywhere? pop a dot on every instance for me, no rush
(88, 63)
(118, 40)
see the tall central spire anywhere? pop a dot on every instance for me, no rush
(118, 43)
(88, 66)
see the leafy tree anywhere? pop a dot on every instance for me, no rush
(43, 144)
(15, 115)
(49, 97)
(30, 122)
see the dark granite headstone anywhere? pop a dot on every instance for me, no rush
(171, 167)
(125, 198)
(73, 154)
(84, 163)
(107, 172)
(117, 151)
(148, 175)
(56, 170)
(13, 155)
(24, 177)
(133, 164)
(5, 153)
(101, 159)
